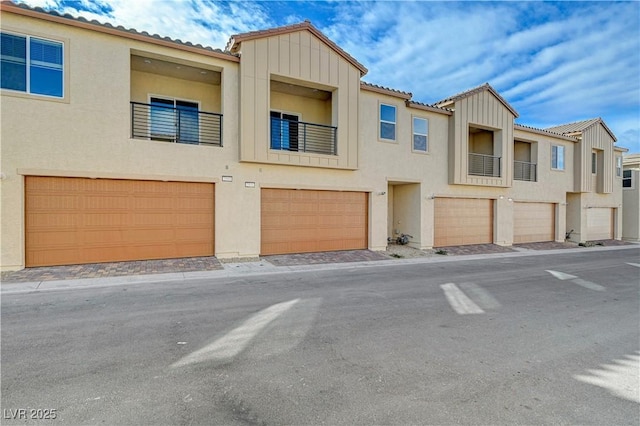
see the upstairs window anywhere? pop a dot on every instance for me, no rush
(387, 122)
(627, 179)
(557, 157)
(31, 65)
(420, 134)
(594, 163)
(619, 166)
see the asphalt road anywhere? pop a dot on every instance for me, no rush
(496, 341)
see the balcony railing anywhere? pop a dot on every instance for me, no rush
(290, 135)
(484, 165)
(178, 125)
(523, 170)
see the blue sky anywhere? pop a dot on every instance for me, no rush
(554, 62)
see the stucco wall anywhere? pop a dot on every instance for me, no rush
(87, 134)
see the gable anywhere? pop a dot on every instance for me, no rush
(234, 44)
(474, 92)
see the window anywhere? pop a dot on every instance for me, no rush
(387, 122)
(594, 163)
(175, 121)
(284, 131)
(31, 65)
(627, 179)
(420, 134)
(619, 166)
(557, 157)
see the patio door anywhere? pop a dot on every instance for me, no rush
(284, 131)
(175, 120)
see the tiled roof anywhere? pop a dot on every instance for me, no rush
(235, 40)
(580, 126)
(427, 107)
(474, 91)
(543, 132)
(38, 12)
(385, 90)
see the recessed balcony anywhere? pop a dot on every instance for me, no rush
(484, 165)
(177, 124)
(289, 134)
(523, 170)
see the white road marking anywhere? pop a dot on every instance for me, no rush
(237, 339)
(637, 265)
(621, 378)
(562, 275)
(579, 281)
(588, 284)
(480, 295)
(459, 301)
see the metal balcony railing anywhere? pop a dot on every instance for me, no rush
(484, 165)
(290, 135)
(178, 125)
(523, 170)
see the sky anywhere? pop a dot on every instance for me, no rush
(554, 62)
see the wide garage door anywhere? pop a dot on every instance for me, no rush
(78, 220)
(301, 221)
(463, 221)
(533, 222)
(599, 224)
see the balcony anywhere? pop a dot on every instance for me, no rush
(523, 170)
(288, 134)
(484, 165)
(178, 124)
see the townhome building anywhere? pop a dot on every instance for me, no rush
(121, 145)
(631, 197)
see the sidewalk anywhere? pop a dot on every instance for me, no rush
(119, 273)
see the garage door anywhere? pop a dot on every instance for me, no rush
(533, 222)
(599, 224)
(77, 220)
(302, 221)
(463, 221)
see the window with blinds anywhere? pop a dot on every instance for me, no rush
(32, 65)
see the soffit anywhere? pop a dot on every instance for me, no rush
(169, 69)
(296, 90)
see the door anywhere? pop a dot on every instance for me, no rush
(533, 222)
(78, 220)
(284, 131)
(175, 121)
(599, 224)
(463, 221)
(300, 221)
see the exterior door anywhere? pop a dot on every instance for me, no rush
(533, 222)
(301, 221)
(78, 220)
(599, 224)
(463, 221)
(284, 131)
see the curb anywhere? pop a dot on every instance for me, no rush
(263, 267)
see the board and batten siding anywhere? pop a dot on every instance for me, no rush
(485, 111)
(595, 137)
(303, 59)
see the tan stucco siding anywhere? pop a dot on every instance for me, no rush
(88, 134)
(310, 110)
(144, 85)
